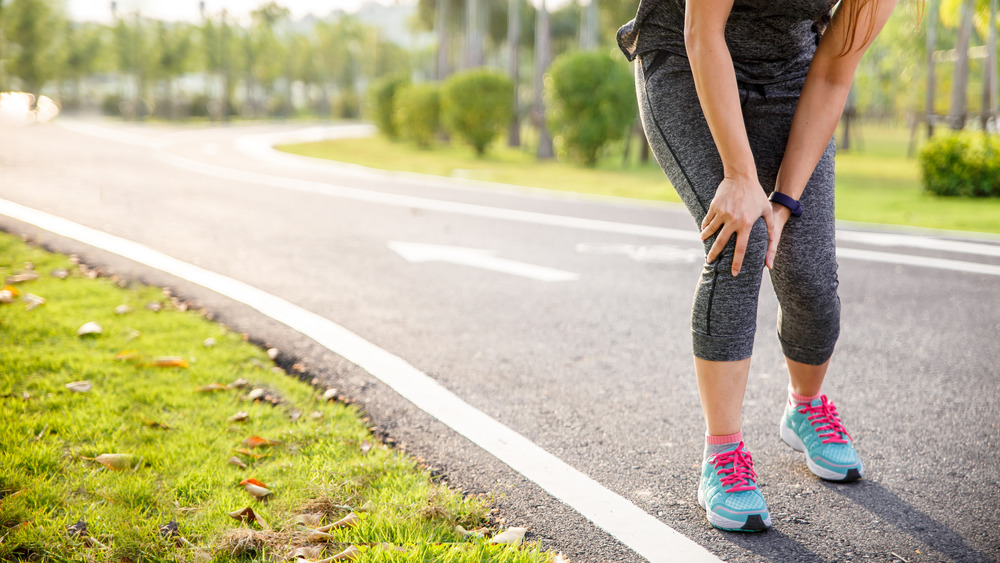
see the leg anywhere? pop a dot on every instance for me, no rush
(722, 386)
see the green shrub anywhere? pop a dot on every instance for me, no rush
(382, 98)
(591, 102)
(964, 164)
(477, 105)
(418, 113)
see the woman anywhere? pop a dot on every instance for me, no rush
(740, 100)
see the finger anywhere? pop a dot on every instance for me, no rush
(709, 217)
(709, 229)
(772, 237)
(742, 238)
(719, 244)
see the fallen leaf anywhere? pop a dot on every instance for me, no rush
(61, 273)
(237, 462)
(350, 553)
(258, 442)
(115, 462)
(299, 367)
(154, 306)
(239, 417)
(316, 415)
(170, 531)
(310, 520)
(560, 558)
(272, 353)
(256, 489)
(170, 362)
(294, 415)
(208, 342)
(22, 277)
(477, 533)
(255, 457)
(128, 356)
(78, 529)
(348, 521)
(316, 535)
(366, 447)
(513, 535)
(255, 394)
(249, 516)
(6, 295)
(330, 394)
(88, 329)
(33, 300)
(211, 387)
(79, 386)
(154, 424)
(239, 384)
(123, 310)
(311, 552)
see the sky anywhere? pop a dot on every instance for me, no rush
(172, 10)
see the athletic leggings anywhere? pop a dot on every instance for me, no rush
(724, 314)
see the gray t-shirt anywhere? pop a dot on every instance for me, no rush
(769, 40)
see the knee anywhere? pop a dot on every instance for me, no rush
(753, 255)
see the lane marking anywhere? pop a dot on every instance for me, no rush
(645, 253)
(476, 258)
(615, 514)
(919, 261)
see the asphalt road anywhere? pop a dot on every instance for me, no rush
(594, 365)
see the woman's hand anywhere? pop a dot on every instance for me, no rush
(738, 203)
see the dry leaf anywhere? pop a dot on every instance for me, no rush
(366, 447)
(316, 535)
(79, 386)
(170, 362)
(33, 300)
(6, 295)
(256, 489)
(78, 529)
(249, 516)
(258, 442)
(349, 521)
(128, 356)
(90, 328)
(272, 353)
(208, 342)
(239, 384)
(237, 462)
(211, 387)
(477, 533)
(115, 462)
(170, 531)
(330, 394)
(299, 367)
(560, 558)
(22, 277)
(255, 457)
(256, 394)
(123, 310)
(311, 552)
(61, 273)
(294, 415)
(154, 424)
(513, 535)
(309, 519)
(316, 415)
(350, 553)
(154, 306)
(239, 417)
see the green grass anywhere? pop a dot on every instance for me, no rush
(180, 440)
(876, 183)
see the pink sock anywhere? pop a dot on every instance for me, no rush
(794, 397)
(723, 440)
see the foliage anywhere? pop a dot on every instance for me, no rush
(591, 103)
(381, 96)
(31, 27)
(417, 114)
(965, 164)
(477, 105)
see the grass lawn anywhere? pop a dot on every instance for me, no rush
(876, 182)
(187, 421)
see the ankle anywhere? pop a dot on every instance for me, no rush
(794, 397)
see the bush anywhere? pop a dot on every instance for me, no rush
(965, 164)
(477, 105)
(381, 95)
(418, 113)
(591, 102)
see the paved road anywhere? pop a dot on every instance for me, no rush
(592, 366)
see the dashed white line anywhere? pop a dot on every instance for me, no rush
(632, 526)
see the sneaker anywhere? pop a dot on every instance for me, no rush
(728, 492)
(815, 428)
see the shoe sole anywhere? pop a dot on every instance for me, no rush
(753, 523)
(789, 437)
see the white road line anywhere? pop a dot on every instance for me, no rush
(920, 261)
(632, 526)
(476, 258)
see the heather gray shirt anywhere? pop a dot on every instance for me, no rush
(770, 40)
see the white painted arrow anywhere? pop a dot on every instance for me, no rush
(418, 252)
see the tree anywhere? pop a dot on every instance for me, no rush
(32, 33)
(959, 86)
(476, 106)
(173, 57)
(542, 57)
(85, 46)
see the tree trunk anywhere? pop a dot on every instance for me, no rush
(990, 93)
(442, 32)
(514, 45)
(473, 35)
(588, 26)
(932, 19)
(542, 34)
(960, 84)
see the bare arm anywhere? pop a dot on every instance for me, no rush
(739, 200)
(825, 92)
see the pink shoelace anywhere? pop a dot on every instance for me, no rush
(741, 474)
(826, 415)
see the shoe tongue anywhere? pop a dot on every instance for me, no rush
(815, 402)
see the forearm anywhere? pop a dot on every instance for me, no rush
(715, 82)
(824, 95)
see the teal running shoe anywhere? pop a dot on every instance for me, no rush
(728, 492)
(815, 428)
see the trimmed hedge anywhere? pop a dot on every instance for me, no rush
(418, 113)
(477, 106)
(965, 164)
(382, 94)
(591, 100)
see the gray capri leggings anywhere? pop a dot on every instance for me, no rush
(724, 314)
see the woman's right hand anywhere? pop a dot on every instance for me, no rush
(738, 203)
